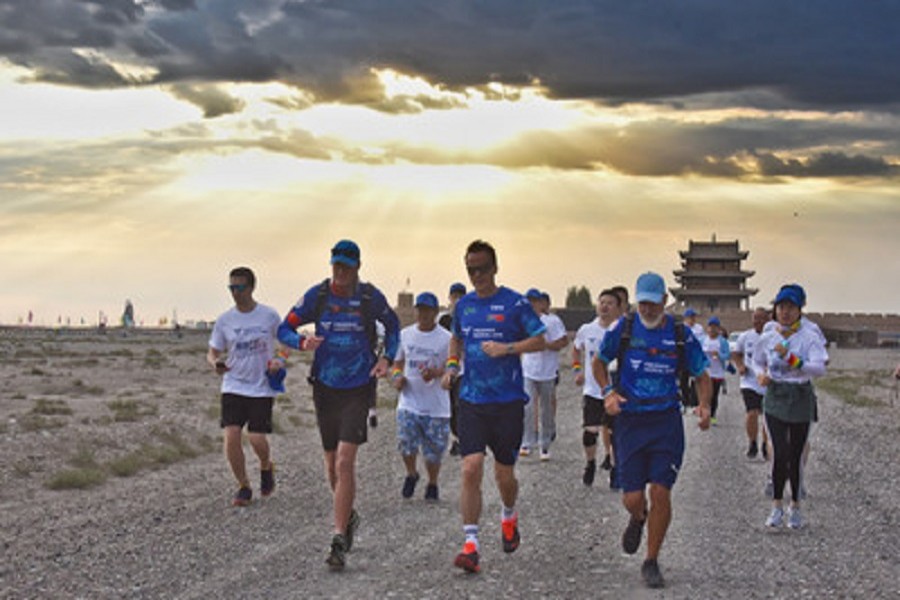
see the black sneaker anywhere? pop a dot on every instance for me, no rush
(765, 451)
(753, 450)
(242, 497)
(431, 492)
(336, 556)
(631, 539)
(352, 526)
(267, 480)
(409, 485)
(606, 465)
(650, 572)
(590, 469)
(454, 448)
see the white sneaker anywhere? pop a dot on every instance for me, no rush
(545, 455)
(776, 518)
(524, 451)
(795, 519)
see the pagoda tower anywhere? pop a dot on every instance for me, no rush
(711, 279)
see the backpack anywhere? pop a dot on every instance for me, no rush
(684, 378)
(365, 307)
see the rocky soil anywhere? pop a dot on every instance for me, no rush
(168, 530)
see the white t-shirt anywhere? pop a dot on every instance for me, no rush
(249, 340)
(805, 344)
(805, 323)
(423, 349)
(699, 332)
(587, 341)
(716, 369)
(745, 346)
(544, 364)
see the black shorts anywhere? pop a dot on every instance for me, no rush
(497, 426)
(752, 399)
(594, 413)
(255, 413)
(342, 415)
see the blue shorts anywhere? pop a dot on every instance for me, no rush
(497, 426)
(649, 448)
(416, 431)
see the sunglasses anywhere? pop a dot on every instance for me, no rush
(479, 269)
(237, 287)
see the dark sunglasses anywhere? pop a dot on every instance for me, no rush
(237, 287)
(479, 269)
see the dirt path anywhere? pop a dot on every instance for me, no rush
(171, 533)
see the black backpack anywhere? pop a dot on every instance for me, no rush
(684, 378)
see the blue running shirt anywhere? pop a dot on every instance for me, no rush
(505, 317)
(648, 379)
(345, 358)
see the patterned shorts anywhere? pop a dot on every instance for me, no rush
(416, 431)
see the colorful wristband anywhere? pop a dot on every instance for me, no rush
(794, 361)
(576, 366)
(453, 363)
(396, 374)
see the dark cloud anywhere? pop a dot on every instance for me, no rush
(830, 53)
(828, 164)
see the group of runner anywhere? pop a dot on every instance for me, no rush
(488, 375)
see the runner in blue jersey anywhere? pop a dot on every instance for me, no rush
(649, 432)
(343, 374)
(492, 326)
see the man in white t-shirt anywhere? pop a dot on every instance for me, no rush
(241, 350)
(595, 419)
(423, 409)
(751, 390)
(541, 370)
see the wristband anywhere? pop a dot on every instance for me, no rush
(576, 366)
(606, 392)
(794, 361)
(396, 374)
(510, 349)
(453, 363)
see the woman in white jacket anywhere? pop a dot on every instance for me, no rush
(786, 358)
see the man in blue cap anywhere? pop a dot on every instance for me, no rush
(651, 351)
(423, 408)
(457, 291)
(344, 373)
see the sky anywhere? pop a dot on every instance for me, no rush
(149, 146)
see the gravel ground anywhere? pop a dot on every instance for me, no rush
(172, 532)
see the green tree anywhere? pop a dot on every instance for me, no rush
(578, 297)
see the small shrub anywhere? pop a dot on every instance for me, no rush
(33, 422)
(43, 406)
(79, 479)
(130, 410)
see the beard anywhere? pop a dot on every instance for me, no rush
(652, 323)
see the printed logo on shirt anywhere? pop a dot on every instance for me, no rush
(636, 363)
(498, 308)
(498, 318)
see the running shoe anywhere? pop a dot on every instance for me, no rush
(776, 518)
(651, 574)
(454, 448)
(524, 451)
(606, 465)
(467, 560)
(242, 497)
(352, 526)
(545, 455)
(589, 471)
(765, 451)
(753, 450)
(409, 485)
(267, 480)
(510, 533)
(431, 492)
(631, 538)
(795, 519)
(336, 556)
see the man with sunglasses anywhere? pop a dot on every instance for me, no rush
(492, 326)
(344, 371)
(241, 350)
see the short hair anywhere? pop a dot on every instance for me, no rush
(610, 292)
(482, 246)
(622, 292)
(246, 273)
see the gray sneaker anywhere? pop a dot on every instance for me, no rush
(776, 518)
(795, 519)
(650, 572)
(336, 556)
